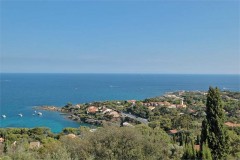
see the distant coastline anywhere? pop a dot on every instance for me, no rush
(200, 74)
(118, 112)
(20, 92)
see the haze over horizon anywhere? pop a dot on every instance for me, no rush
(185, 37)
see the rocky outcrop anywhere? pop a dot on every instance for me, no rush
(49, 108)
(74, 117)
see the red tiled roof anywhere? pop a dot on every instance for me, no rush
(71, 135)
(230, 124)
(173, 131)
(197, 147)
(114, 114)
(92, 109)
(132, 101)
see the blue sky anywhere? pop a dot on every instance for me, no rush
(120, 37)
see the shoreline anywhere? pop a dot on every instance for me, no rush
(117, 112)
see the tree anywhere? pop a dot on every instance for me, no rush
(214, 132)
(189, 152)
(5, 148)
(164, 123)
(206, 152)
(234, 143)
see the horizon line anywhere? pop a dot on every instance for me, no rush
(119, 73)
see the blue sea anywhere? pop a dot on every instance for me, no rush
(21, 92)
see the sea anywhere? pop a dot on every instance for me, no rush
(20, 93)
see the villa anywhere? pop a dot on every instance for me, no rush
(230, 124)
(132, 101)
(173, 131)
(34, 145)
(92, 109)
(71, 135)
(1, 140)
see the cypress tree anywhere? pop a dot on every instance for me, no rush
(189, 152)
(5, 148)
(206, 152)
(214, 132)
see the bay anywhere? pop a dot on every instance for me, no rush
(21, 92)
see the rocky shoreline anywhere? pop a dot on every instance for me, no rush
(48, 108)
(68, 115)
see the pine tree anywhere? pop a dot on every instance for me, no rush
(214, 132)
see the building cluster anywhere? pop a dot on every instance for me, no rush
(104, 110)
(152, 105)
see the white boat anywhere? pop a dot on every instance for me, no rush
(40, 113)
(4, 116)
(20, 114)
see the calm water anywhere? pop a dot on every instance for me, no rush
(20, 92)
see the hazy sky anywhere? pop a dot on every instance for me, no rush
(120, 37)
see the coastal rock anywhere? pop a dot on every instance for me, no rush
(49, 108)
(74, 117)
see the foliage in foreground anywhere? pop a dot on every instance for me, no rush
(140, 142)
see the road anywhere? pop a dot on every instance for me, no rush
(142, 120)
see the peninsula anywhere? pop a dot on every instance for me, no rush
(171, 110)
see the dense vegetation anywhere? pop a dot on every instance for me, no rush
(172, 133)
(140, 142)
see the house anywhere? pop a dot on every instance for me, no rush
(151, 108)
(230, 124)
(78, 106)
(1, 140)
(34, 145)
(191, 111)
(172, 96)
(126, 124)
(197, 147)
(71, 135)
(155, 104)
(165, 103)
(181, 106)
(145, 104)
(106, 110)
(132, 101)
(173, 131)
(172, 106)
(92, 109)
(114, 114)
(93, 130)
